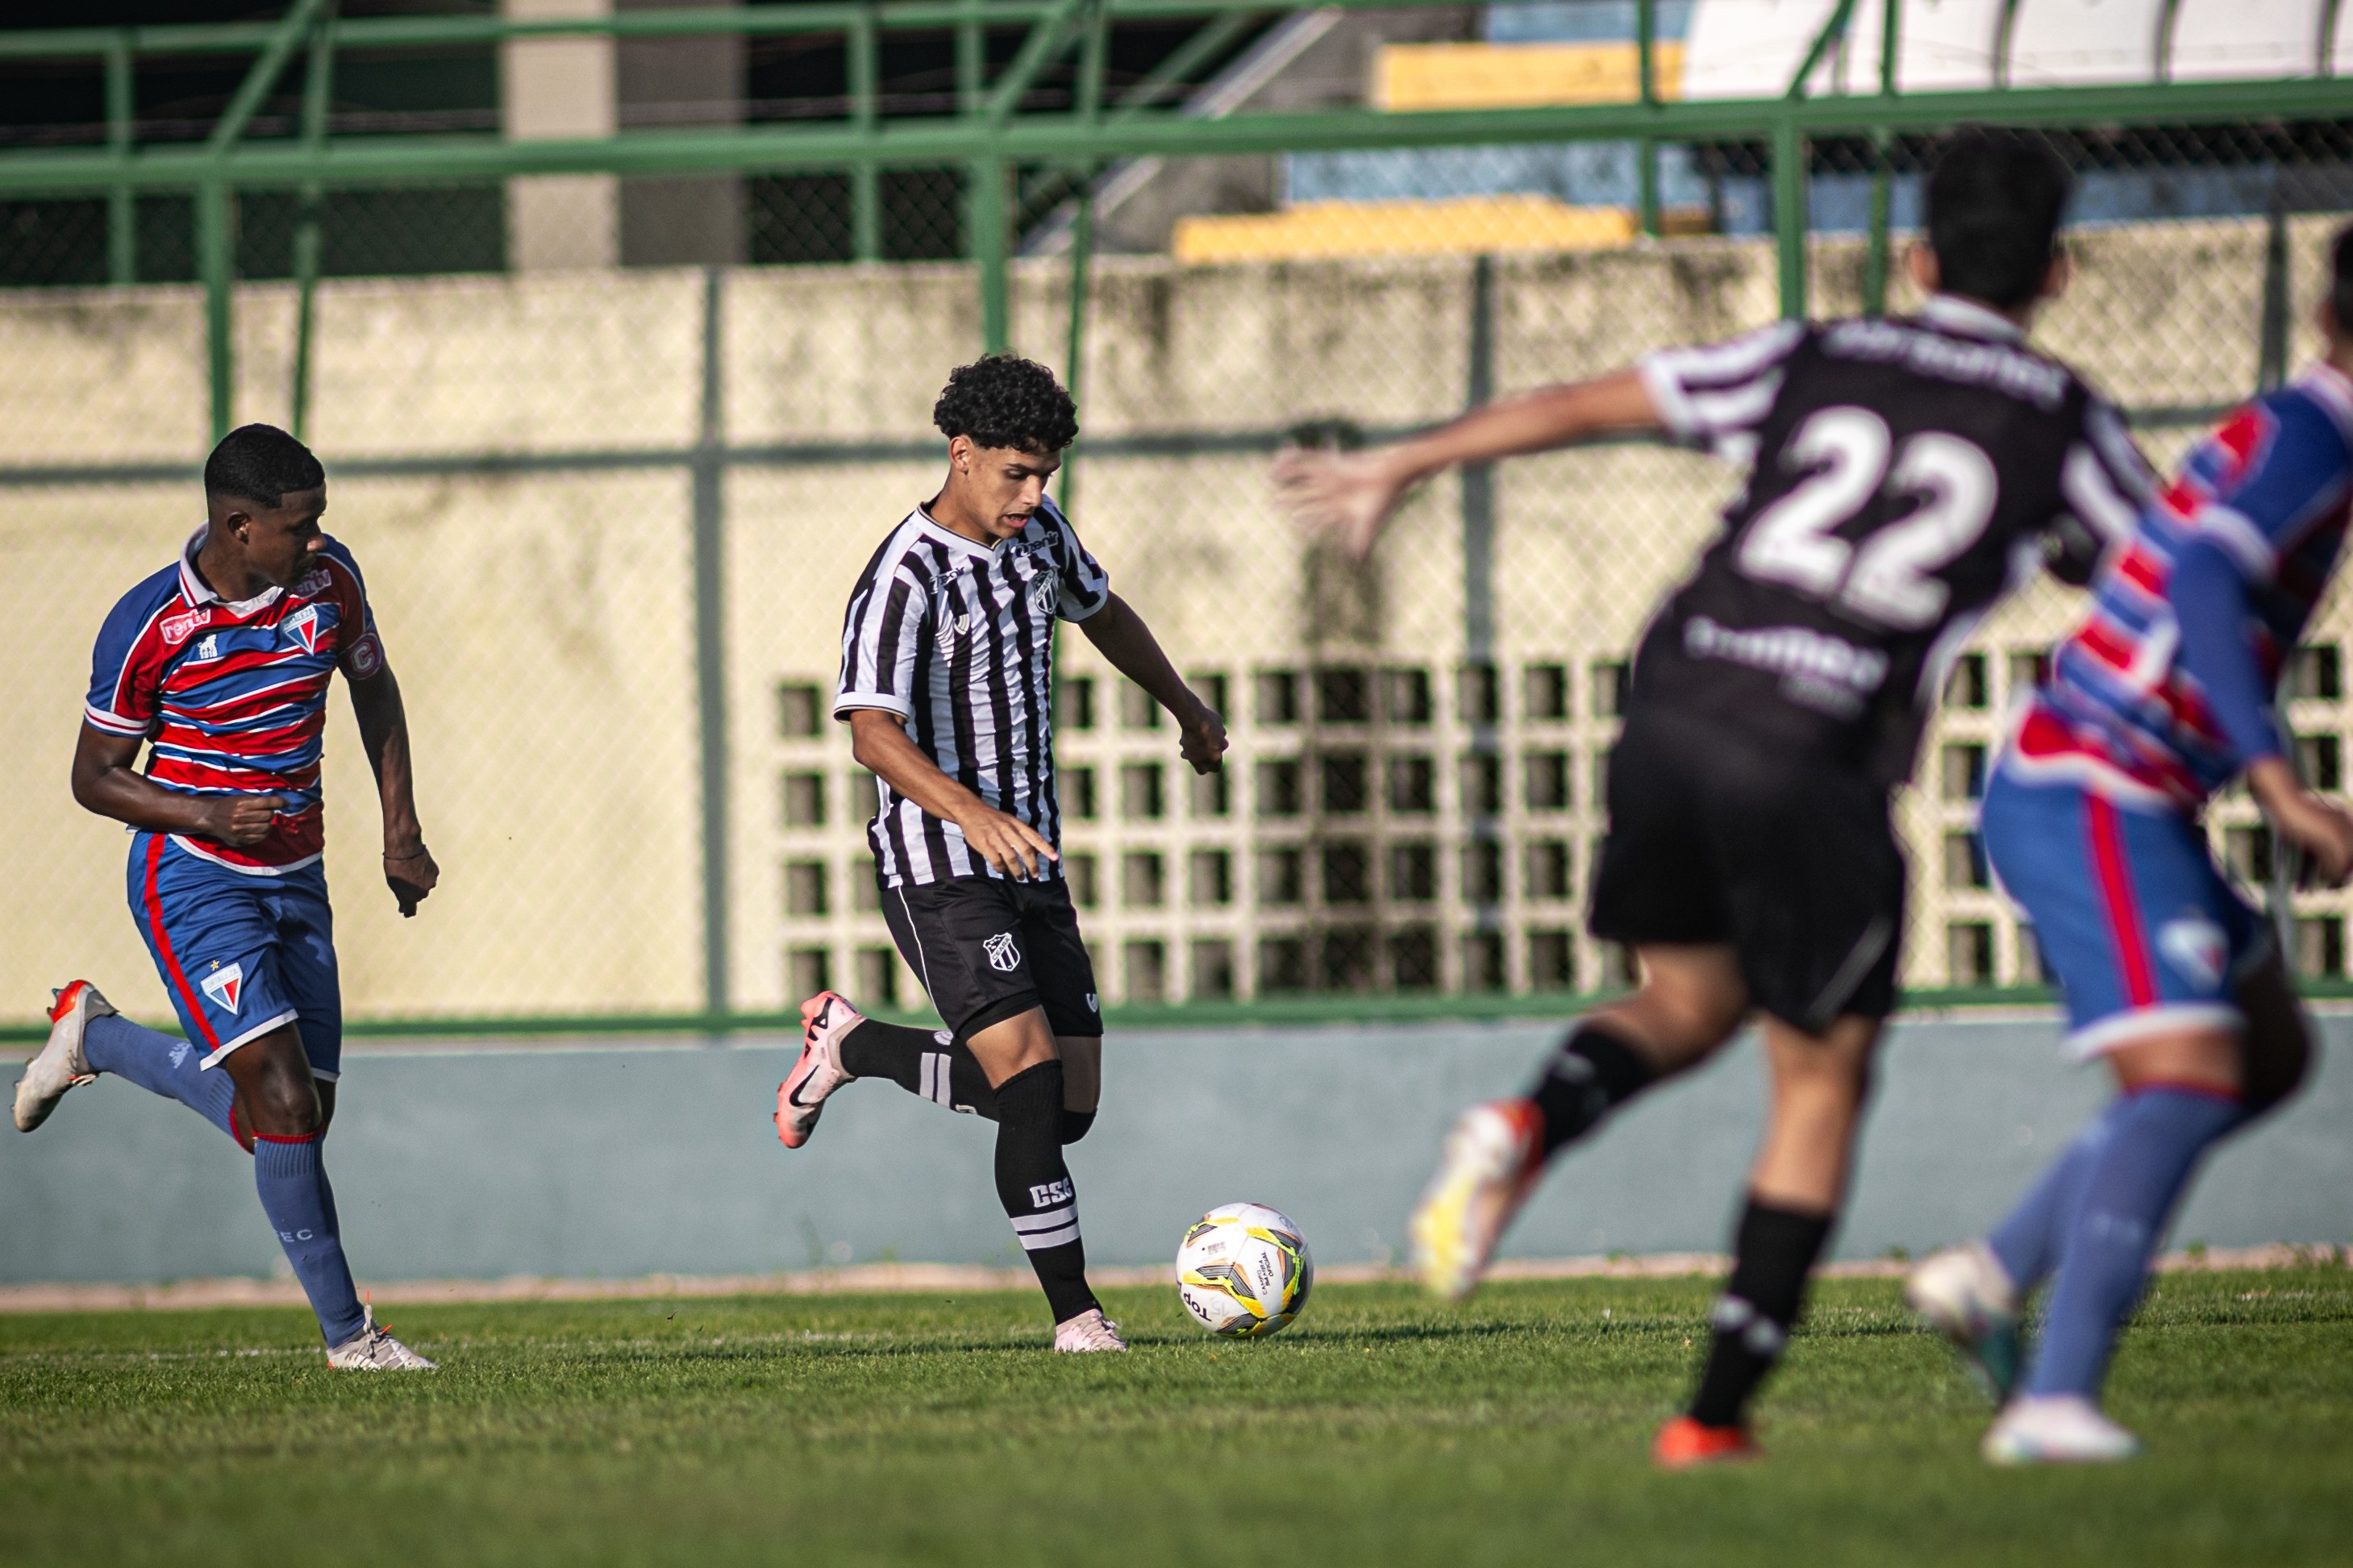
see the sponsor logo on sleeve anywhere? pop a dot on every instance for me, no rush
(225, 987)
(315, 583)
(1003, 956)
(179, 628)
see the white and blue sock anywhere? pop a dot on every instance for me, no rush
(2029, 1239)
(160, 1064)
(2154, 1140)
(292, 1181)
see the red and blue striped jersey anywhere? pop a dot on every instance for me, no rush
(232, 698)
(2270, 490)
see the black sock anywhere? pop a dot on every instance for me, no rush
(1035, 1186)
(1591, 1074)
(920, 1061)
(1775, 1250)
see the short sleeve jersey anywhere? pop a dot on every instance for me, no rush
(957, 639)
(2273, 487)
(1905, 475)
(232, 698)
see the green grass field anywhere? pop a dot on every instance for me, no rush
(1378, 1430)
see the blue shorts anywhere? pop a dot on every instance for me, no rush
(2139, 928)
(240, 953)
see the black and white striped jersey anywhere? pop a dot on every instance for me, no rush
(958, 639)
(1904, 475)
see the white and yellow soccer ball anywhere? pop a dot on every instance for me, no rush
(1243, 1270)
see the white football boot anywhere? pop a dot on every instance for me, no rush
(60, 1064)
(375, 1350)
(2056, 1429)
(1491, 1162)
(1088, 1332)
(1965, 1295)
(826, 1019)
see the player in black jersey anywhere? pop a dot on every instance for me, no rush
(1905, 473)
(947, 673)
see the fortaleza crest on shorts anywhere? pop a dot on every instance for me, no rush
(2196, 946)
(226, 986)
(302, 625)
(1002, 954)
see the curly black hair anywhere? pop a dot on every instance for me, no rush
(261, 463)
(1006, 400)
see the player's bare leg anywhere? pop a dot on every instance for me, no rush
(1022, 1059)
(1795, 1189)
(1691, 1001)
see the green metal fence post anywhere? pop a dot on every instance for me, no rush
(317, 94)
(1646, 152)
(1092, 59)
(122, 201)
(214, 266)
(865, 178)
(1875, 257)
(985, 213)
(1789, 213)
(711, 659)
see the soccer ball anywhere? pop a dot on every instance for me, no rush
(1243, 1270)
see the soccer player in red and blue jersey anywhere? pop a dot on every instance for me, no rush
(2092, 819)
(219, 664)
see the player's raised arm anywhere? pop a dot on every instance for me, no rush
(1120, 635)
(1347, 496)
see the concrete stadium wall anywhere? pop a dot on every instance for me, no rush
(632, 1159)
(527, 531)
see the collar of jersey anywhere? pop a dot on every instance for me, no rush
(1967, 318)
(197, 591)
(949, 536)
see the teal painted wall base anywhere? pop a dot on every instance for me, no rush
(617, 1160)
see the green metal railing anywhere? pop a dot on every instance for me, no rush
(989, 137)
(994, 140)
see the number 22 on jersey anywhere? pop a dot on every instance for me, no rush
(1888, 576)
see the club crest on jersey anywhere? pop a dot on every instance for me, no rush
(1045, 591)
(1003, 956)
(2196, 946)
(226, 986)
(179, 628)
(302, 625)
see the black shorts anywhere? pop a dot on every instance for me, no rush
(1714, 839)
(988, 950)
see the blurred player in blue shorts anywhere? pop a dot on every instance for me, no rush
(2093, 822)
(219, 664)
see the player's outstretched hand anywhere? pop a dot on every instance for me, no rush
(2313, 824)
(1342, 498)
(238, 820)
(1201, 739)
(1008, 842)
(411, 874)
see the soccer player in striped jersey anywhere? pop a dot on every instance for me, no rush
(947, 665)
(219, 666)
(2091, 820)
(1902, 476)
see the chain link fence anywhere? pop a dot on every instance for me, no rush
(609, 516)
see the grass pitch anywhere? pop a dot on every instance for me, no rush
(1379, 1429)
